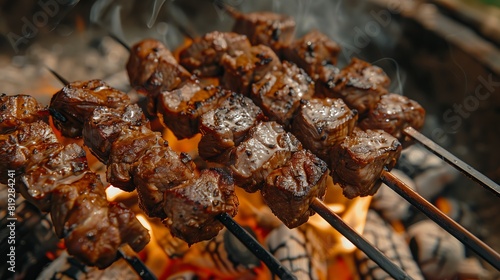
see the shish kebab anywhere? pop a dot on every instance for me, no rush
(240, 70)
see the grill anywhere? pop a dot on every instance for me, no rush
(182, 23)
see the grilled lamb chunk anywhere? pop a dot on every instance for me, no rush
(266, 148)
(74, 104)
(203, 56)
(359, 160)
(326, 77)
(266, 28)
(290, 190)
(131, 230)
(321, 124)
(181, 108)
(225, 127)
(192, 208)
(106, 124)
(311, 52)
(279, 93)
(394, 113)
(18, 109)
(360, 85)
(241, 71)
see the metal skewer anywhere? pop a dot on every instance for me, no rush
(442, 219)
(137, 265)
(466, 169)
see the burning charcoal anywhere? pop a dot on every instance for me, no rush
(321, 124)
(461, 213)
(360, 159)
(266, 148)
(393, 113)
(192, 207)
(436, 251)
(290, 189)
(471, 268)
(298, 250)
(279, 93)
(18, 109)
(393, 245)
(225, 127)
(203, 56)
(390, 204)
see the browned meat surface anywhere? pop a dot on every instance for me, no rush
(192, 208)
(290, 190)
(131, 230)
(312, 51)
(266, 28)
(225, 127)
(105, 125)
(181, 108)
(242, 70)
(267, 147)
(279, 93)
(360, 159)
(18, 109)
(152, 68)
(360, 85)
(394, 113)
(74, 104)
(321, 124)
(326, 77)
(203, 56)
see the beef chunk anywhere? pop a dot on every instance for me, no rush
(290, 190)
(321, 124)
(18, 109)
(359, 160)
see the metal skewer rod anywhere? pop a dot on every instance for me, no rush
(466, 169)
(255, 247)
(441, 219)
(120, 41)
(371, 251)
(137, 265)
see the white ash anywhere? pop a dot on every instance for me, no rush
(437, 252)
(381, 234)
(391, 205)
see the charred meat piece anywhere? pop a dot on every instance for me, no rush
(266, 28)
(360, 85)
(267, 147)
(321, 124)
(203, 56)
(311, 52)
(181, 108)
(279, 93)
(106, 124)
(131, 230)
(325, 78)
(225, 127)
(289, 190)
(192, 208)
(74, 104)
(394, 113)
(18, 109)
(242, 70)
(360, 159)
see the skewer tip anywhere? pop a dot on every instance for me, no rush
(59, 77)
(120, 41)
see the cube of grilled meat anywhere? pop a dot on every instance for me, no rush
(241, 71)
(106, 124)
(18, 109)
(30, 141)
(357, 163)
(203, 56)
(181, 108)
(311, 52)
(326, 77)
(394, 113)
(321, 124)
(192, 208)
(225, 127)
(279, 93)
(267, 147)
(74, 103)
(266, 28)
(360, 85)
(289, 190)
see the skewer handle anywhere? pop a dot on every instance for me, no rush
(441, 219)
(372, 252)
(454, 161)
(254, 246)
(137, 265)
